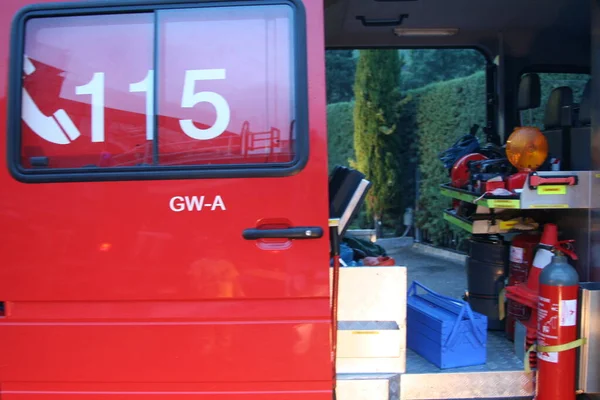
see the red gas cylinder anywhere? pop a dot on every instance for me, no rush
(527, 293)
(522, 250)
(557, 329)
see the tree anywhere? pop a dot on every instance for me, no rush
(437, 65)
(340, 67)
(376, 93)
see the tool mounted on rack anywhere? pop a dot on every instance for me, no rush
(487, 175)
(536, 180)
(460, 175)
(493, 151)
(467, 144)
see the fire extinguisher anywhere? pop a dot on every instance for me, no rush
(557, 328)
(522, 251)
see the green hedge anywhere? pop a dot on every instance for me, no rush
(340, 134)
(432, 118)
(443, 113)
(340, 143)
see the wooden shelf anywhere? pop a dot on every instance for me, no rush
(481, 226)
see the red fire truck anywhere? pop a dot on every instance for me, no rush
(165, 198)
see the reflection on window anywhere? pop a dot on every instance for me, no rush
(227, 99)
(218, 90)
(549, 82)
(77, 109)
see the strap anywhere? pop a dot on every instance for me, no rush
(552, 349)
(501, 299)
(335, 252)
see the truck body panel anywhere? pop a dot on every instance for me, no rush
(134, 283)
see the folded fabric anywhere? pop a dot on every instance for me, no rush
(367, 247)
(379, 261)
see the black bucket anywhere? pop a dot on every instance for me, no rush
(487, 268)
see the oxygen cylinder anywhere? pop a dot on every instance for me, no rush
(556, 326)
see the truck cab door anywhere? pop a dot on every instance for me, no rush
(166, 231)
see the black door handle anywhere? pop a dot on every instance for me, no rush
(300, 232)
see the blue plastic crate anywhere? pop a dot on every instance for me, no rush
(444, 331)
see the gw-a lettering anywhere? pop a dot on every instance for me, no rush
(196, 203)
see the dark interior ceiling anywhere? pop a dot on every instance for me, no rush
(541, 31)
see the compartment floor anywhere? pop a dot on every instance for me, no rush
(449, 277)
(500, 357)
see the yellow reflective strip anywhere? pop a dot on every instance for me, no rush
(562, 347)
(552, 349)
(501, 311)
(552, 189)
(526, 358)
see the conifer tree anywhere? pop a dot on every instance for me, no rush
(376, 92)
(340, 68)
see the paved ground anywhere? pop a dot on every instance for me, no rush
(446, 277)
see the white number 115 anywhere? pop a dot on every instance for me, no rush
(95, 88)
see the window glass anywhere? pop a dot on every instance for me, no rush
(226, 85)
(78, 108)
(549, 82)
(182, 87)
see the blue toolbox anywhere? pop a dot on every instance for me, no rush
(444, 331)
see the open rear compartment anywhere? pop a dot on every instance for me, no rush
(465, 230)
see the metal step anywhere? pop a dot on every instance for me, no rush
(376, 386)
(467, 385)
(449, 386)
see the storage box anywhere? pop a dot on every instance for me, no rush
(444, 331)
(369, 340)
(371, 320)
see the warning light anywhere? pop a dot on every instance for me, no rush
(526, 148)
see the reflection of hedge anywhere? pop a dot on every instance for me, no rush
(551, 81)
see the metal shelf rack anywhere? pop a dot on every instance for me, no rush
(540, 192)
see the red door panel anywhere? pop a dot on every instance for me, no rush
(125, 270)
(167, 351)
(161, 391)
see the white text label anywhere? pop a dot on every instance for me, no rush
(196, 203)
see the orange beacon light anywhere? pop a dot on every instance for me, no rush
(526, 150)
